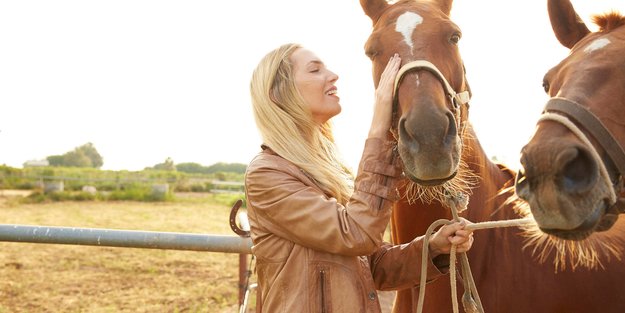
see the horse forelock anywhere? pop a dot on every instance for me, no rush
(609, 21)
(589, 253)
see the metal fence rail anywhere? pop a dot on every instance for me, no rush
(125, 238)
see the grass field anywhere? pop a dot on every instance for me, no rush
(66, 278)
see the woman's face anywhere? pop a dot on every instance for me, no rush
(316, 84)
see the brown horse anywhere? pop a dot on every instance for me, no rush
(575, 162)
(441, 155)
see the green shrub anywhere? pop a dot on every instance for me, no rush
(115, 185)
(229, 199)
(35, 197)
(198, 188)
(142, 193)
(85, 196)
(135, 194)
(40, 196)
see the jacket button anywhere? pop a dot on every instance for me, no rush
(372, 295)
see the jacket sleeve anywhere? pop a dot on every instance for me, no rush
(399, 266)
(283, 204)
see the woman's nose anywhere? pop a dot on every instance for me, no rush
(333, 76)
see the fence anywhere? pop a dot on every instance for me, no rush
(136, 239)
(125, 238)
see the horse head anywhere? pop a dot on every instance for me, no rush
(574, 162)
(431, 92)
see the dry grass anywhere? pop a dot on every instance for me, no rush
(66, 278)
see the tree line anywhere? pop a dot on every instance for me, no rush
(196, 168)
(87, 156)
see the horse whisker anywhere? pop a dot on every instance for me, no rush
(590, 253)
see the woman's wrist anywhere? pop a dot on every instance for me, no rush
(377, 134)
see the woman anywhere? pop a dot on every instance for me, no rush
(317, 233)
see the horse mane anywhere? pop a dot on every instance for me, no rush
(609, 21)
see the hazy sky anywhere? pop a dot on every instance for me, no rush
(147, 80)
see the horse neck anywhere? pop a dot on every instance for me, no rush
(486, 200)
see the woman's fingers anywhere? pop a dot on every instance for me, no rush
(463, 233)
(452, 234)
(451, 229)
(463, 239)
(387, 79)
(457, 235)
(465, 246)
(383, 109)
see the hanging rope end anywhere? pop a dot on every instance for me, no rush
(469, 304)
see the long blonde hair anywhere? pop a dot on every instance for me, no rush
(286, 125)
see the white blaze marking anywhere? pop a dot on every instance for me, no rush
(597, 44)
(405, 25)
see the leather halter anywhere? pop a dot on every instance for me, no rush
(457, 99)
(573, 111)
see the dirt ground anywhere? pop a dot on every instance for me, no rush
(72, 278)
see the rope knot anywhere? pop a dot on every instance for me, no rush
(458, 201)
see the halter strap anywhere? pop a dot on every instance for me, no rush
(566, 112)
(457, 98)
(593, 125)
(461, 97)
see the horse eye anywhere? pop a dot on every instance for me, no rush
(454, 38)
(371, 54)
(546, 86)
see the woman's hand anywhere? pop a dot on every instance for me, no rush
(383, 109)
(441, 241)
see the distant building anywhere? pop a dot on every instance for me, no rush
(36, 163)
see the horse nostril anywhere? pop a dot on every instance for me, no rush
(406, 137)
(452, 130)
(401, 127)
(521, 185)
(579, 170)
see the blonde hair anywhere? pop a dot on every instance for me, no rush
(286, 125)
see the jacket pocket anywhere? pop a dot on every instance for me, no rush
(322, 291)
(335, 288)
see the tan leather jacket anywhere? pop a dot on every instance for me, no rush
(316, 255)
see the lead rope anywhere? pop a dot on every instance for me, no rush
(470, 299)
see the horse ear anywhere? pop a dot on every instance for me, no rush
(567, 25)
(374, 8)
